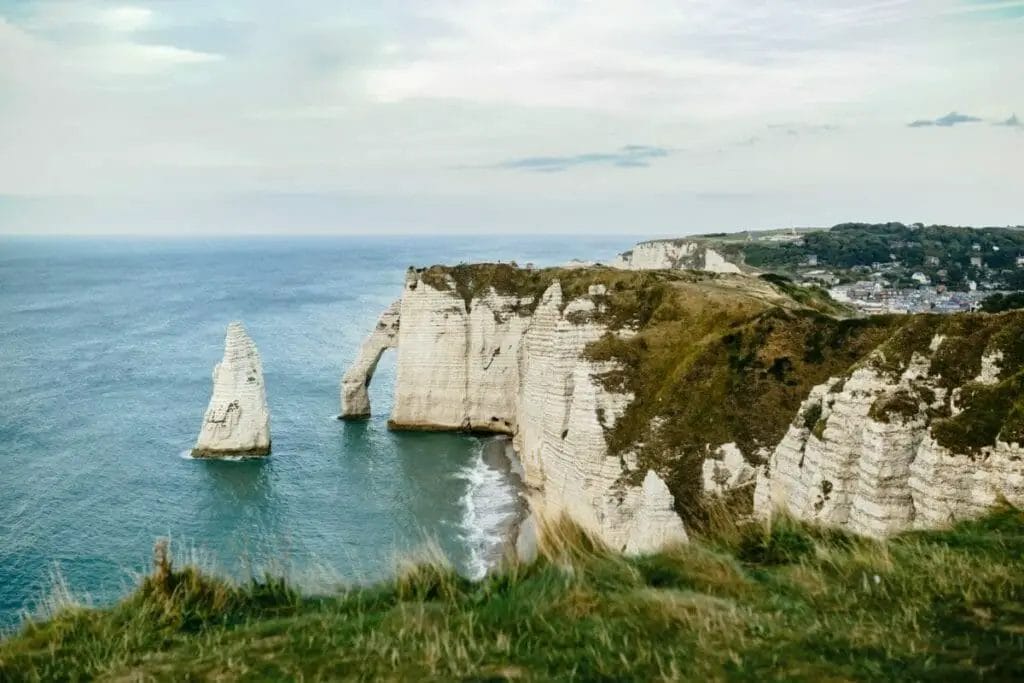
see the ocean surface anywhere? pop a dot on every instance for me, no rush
(106, 353)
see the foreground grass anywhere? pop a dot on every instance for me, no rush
(757, 602)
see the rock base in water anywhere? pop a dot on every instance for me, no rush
(228, 453)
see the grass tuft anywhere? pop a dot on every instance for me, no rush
(778, 600)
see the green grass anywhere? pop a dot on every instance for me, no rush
(746, 602)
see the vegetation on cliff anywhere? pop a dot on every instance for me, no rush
(752, 602)
(724, 360)
(999, 302)
(982, 413)
(630, 299)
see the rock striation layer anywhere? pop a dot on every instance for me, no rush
(237, 421)
(872, 462)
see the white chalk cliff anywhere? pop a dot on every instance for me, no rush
(877, 474)
(859, 454)
(669, 254)
(515, 366)
(237, 421)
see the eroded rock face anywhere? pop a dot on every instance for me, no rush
(563, 412)
(237, 421)
(726, 470)
(511, 365)
(655, 523)
(870, 464)
(355, 402)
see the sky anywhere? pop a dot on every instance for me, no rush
(220, 117)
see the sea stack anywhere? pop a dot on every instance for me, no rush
(237, 421)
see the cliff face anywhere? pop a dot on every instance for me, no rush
(668, 254)
(633, 395)
(457, 360)
(912, 442)
(237, 421)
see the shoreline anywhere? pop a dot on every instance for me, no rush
(497, 452)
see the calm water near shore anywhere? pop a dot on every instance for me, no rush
(106, 350)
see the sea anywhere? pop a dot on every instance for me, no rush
(107, 346)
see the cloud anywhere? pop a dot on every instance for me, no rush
(126, 19)
(105, 42)
(947, 121)
(1012, 122)
(630, 156)
(137, 59)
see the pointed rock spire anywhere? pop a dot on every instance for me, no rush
(237, 421)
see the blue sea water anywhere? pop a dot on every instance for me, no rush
(106, 352)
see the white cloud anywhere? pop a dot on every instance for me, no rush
(137, 59)
(704, 58)
(126, 19)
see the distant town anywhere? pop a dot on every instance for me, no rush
(890, 267)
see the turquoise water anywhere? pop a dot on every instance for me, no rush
(106, 350)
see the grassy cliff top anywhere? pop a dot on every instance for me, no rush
(632, 295)
(752, 603)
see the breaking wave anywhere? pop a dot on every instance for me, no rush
(490, 506)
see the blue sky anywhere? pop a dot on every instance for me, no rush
(652, 118)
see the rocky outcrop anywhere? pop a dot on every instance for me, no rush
(668, 254)
(237, 421)
(727, 470)
(514, 364)
(355, 402)
(872, 463)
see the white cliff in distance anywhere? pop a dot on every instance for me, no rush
(237, 421)
(669, 254)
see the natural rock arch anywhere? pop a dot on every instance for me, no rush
(355, 400)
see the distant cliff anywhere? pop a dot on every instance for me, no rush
(631, 396)
(681, 253)
(947, 255)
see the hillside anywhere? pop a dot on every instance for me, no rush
(949, 255)
(748, 603)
